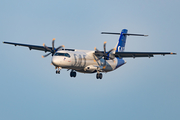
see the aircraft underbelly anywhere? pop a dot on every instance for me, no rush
(110, 65)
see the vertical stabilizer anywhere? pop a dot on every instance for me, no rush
(120, 47)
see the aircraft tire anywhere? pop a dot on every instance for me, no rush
(100, 76)
(71, 75)
(74, 74)
(57, 72)
(97, 76)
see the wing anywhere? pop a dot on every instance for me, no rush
(35, 47)
(140, 54)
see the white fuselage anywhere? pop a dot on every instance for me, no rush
(84, 61)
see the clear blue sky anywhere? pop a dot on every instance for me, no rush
(142, 89)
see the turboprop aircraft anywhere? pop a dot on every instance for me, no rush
(86, 61)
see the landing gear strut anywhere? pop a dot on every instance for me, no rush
(72, 73)
(99, 75)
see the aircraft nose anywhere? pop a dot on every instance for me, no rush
(55, 61)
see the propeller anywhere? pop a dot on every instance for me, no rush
(105, 55)
(51, 50)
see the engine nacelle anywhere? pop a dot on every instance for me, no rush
(90, 68)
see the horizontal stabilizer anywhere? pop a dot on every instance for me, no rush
(134, 34)
(124, 34)
(110, 33)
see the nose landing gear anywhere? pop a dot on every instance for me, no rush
(72, 73)
(58, 71)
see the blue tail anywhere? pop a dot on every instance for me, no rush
(122, 41)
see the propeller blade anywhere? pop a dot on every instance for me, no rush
(104, 47)
(110, 51)
(53, 43)
(46, 55)
(62, 46)
(97, 50)
(47, 47)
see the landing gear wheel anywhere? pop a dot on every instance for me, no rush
(99, 75)
(72, 74)
(57, 72)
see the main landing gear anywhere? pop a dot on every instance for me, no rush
(72, 73)
(99, 75)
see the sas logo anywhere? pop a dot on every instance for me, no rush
(120, 48)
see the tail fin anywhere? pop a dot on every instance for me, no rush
(122, 41)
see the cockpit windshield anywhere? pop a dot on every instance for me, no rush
(62, 54)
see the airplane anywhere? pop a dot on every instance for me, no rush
(86, 61)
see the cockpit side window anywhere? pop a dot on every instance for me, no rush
(66, 54)
(62, 54)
